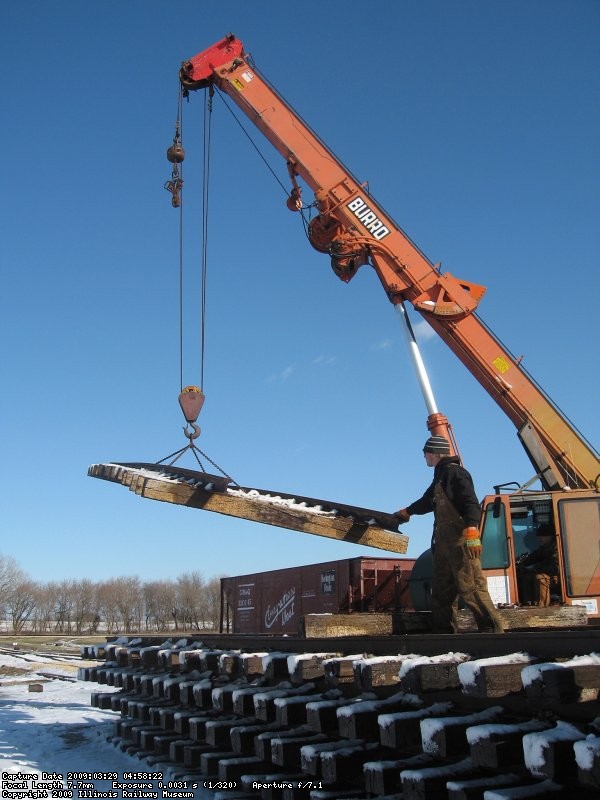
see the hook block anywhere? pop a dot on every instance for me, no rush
(191, 401)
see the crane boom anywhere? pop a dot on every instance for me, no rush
(355, 230)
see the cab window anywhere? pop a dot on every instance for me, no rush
(495, 550)
(524, 526)
(580, 526)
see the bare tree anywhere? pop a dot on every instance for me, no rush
(85, 605)
(45, 605)
(21, 603)
(10, 576)
(64, 606)
(107, 606)
(124, 604)
(212, 612)
(129, 601)
(190, 599)
(159, 602)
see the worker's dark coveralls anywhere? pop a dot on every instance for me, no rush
(452, 498)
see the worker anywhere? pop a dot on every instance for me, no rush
(455, 545)
(537, 571)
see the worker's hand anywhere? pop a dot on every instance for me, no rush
(473, 542)
(402, 515)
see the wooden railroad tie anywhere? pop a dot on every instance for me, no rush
(311, 754)
(499, 746)
(493, 677)
(574, 681)
(243, 737)
(360, 720)
(264, 702)
(402, 729)
(382, 777)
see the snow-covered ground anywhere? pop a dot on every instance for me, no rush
(58, 731)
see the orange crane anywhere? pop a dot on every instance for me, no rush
(354, 230)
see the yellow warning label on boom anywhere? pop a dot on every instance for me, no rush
(501, 364)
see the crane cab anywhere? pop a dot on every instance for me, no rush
(509, 533)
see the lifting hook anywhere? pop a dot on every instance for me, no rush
(174, 186)
(175, 155)
(194, 434)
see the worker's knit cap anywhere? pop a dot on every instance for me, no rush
(437, 444)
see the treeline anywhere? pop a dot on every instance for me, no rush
(119, 605)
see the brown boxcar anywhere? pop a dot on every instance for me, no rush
(275, 601)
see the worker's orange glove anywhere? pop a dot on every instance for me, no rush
(473, 542)
(402, 515)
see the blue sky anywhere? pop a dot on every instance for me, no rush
(477, 126)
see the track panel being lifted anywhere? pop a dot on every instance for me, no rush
(214, 493)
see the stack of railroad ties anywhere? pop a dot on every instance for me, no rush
(326, 726)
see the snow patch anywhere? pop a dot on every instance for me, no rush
(296, 658)
(478, 732)
(587, 752)
(386, 721)
(413, 661)
(534, 672)
(536, 745)
(437, 772)
(430, 727)
(276, 500)
(376, 705)
(468, 671)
